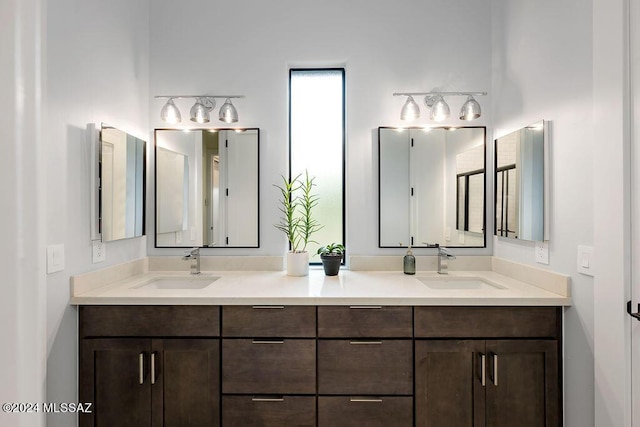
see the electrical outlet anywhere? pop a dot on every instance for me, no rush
(542, 252)
(99, 251)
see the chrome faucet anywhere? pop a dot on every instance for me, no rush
(194, 256)
(443, 260)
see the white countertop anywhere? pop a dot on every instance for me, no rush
(348, 288)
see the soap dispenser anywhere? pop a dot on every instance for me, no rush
(409, 262)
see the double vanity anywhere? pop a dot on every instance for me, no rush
(245, 348)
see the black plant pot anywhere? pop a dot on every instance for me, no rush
(331, 264)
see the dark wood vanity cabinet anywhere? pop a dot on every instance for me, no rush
(138, 370)
(501, 381)
(365, 366)
(321, 366)
(269, 366)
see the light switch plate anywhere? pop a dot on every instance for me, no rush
(542, 252)
(99, 251)
(586, 259)
(55, 258)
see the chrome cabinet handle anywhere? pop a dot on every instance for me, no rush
(361, 399)
(153, 367)
(267, 399)
(365, 307)
(495, 369)
(365, 342)
(268, 307)
(141, 367)
(266, 342)
(483, 361)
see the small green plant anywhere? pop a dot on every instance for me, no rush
(297, 201)
(331, 249)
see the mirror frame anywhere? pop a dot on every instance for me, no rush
(486, 193)
(155, 186)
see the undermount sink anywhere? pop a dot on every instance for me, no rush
(453, 282)
(190, 282)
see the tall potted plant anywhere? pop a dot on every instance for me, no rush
(297, 201)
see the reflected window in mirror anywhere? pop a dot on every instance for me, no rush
(520, 184)
(432, 186)
(470, 190)
(207, 183)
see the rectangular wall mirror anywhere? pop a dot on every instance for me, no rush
(119, 183)
(206, 189)
(432, 186)
(520, 183)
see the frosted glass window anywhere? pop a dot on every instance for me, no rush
(316, 137)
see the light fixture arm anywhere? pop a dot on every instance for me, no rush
(439, 93)
(196, 96)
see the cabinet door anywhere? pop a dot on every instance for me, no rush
(114, 376)
(523, 385)
(186, 382)
(449, 389)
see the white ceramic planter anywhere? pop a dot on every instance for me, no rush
(298, 263)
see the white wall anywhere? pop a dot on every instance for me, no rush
(542, 65)
(247, 47)
(97, 71)
(22, 289)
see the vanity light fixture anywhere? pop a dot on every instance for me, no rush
(170, 112)
(439, 108)
(410, 110)
(228, 112)
(200, 112)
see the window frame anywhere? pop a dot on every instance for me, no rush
(342, 70)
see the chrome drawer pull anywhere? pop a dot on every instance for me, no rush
(483, 360)
(141, 367)
(267, 399)
(356, 307)
(495, 369)
(360, 399)
(266, 342)
(365, 342)
(153, 367)
(267, 307)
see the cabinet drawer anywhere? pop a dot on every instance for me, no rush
(365, 367)
(268, 366)
(487, 322)
(269, 321)
(268, 411)
(365, 321)
(149, 321)
(365, 411)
